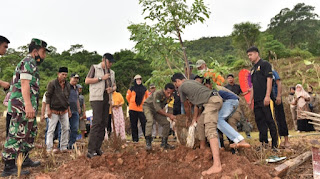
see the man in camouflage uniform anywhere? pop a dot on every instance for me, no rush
(23, 106)
(153, 109)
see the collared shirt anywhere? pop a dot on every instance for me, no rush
(26, 69)
(73, 98)
(157, 100)
(112, 77)
(235, 88)
(56, 97)
(195, 92)
(259, 74)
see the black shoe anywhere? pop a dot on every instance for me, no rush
(165, 145)
(91, 155)
(99, 152)
(10, 168)
(29, 163)
(148, 143)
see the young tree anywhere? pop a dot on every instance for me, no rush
(172, 17)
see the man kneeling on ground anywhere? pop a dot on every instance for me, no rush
(153, 109)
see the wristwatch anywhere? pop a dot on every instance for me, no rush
(99, 79)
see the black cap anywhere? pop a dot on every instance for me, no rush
(63, 69)
(109, 57)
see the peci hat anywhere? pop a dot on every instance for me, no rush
(41, 43)
(63, 69)
(74, 75)
(199, 63)
(109, 57)
(137, 77)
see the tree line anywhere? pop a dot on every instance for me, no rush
(158, 53)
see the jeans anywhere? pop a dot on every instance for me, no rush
(56, 132)
(74, 127)
(64, 121)
(228, 108)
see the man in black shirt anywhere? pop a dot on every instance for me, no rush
(235, 88)
(261, 78)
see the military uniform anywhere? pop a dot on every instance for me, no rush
(22, 130)
(154, 103)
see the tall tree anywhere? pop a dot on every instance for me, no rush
(296, 26)
(172, 17)
(245, 34)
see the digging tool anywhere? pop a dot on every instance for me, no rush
(275, 121)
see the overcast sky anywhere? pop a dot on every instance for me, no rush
(101, 25)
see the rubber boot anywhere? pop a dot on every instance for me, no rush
(148, 143)
(99, 151)
(10, 168)
(165, 145)
(29, 163)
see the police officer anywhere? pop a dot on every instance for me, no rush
(153, 109)
(23, 106)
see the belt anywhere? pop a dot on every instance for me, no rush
(214, 93)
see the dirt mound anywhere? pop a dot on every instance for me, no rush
(182, 162)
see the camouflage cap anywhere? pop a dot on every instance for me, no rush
(40, 43)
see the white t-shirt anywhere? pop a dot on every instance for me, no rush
(44, 101)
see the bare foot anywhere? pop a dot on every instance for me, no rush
(212, 170)
(241, 144)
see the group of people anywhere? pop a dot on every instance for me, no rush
(301, 100)
(214, 108)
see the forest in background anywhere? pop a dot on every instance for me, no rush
(291, 34)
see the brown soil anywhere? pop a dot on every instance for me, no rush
(132, 161)
(179, 163)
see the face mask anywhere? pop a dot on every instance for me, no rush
(38, 59)
(292, 93)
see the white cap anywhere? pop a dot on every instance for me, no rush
(137, 76)
(199, 63)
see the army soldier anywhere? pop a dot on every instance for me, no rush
(23, 106)
(153, 109)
